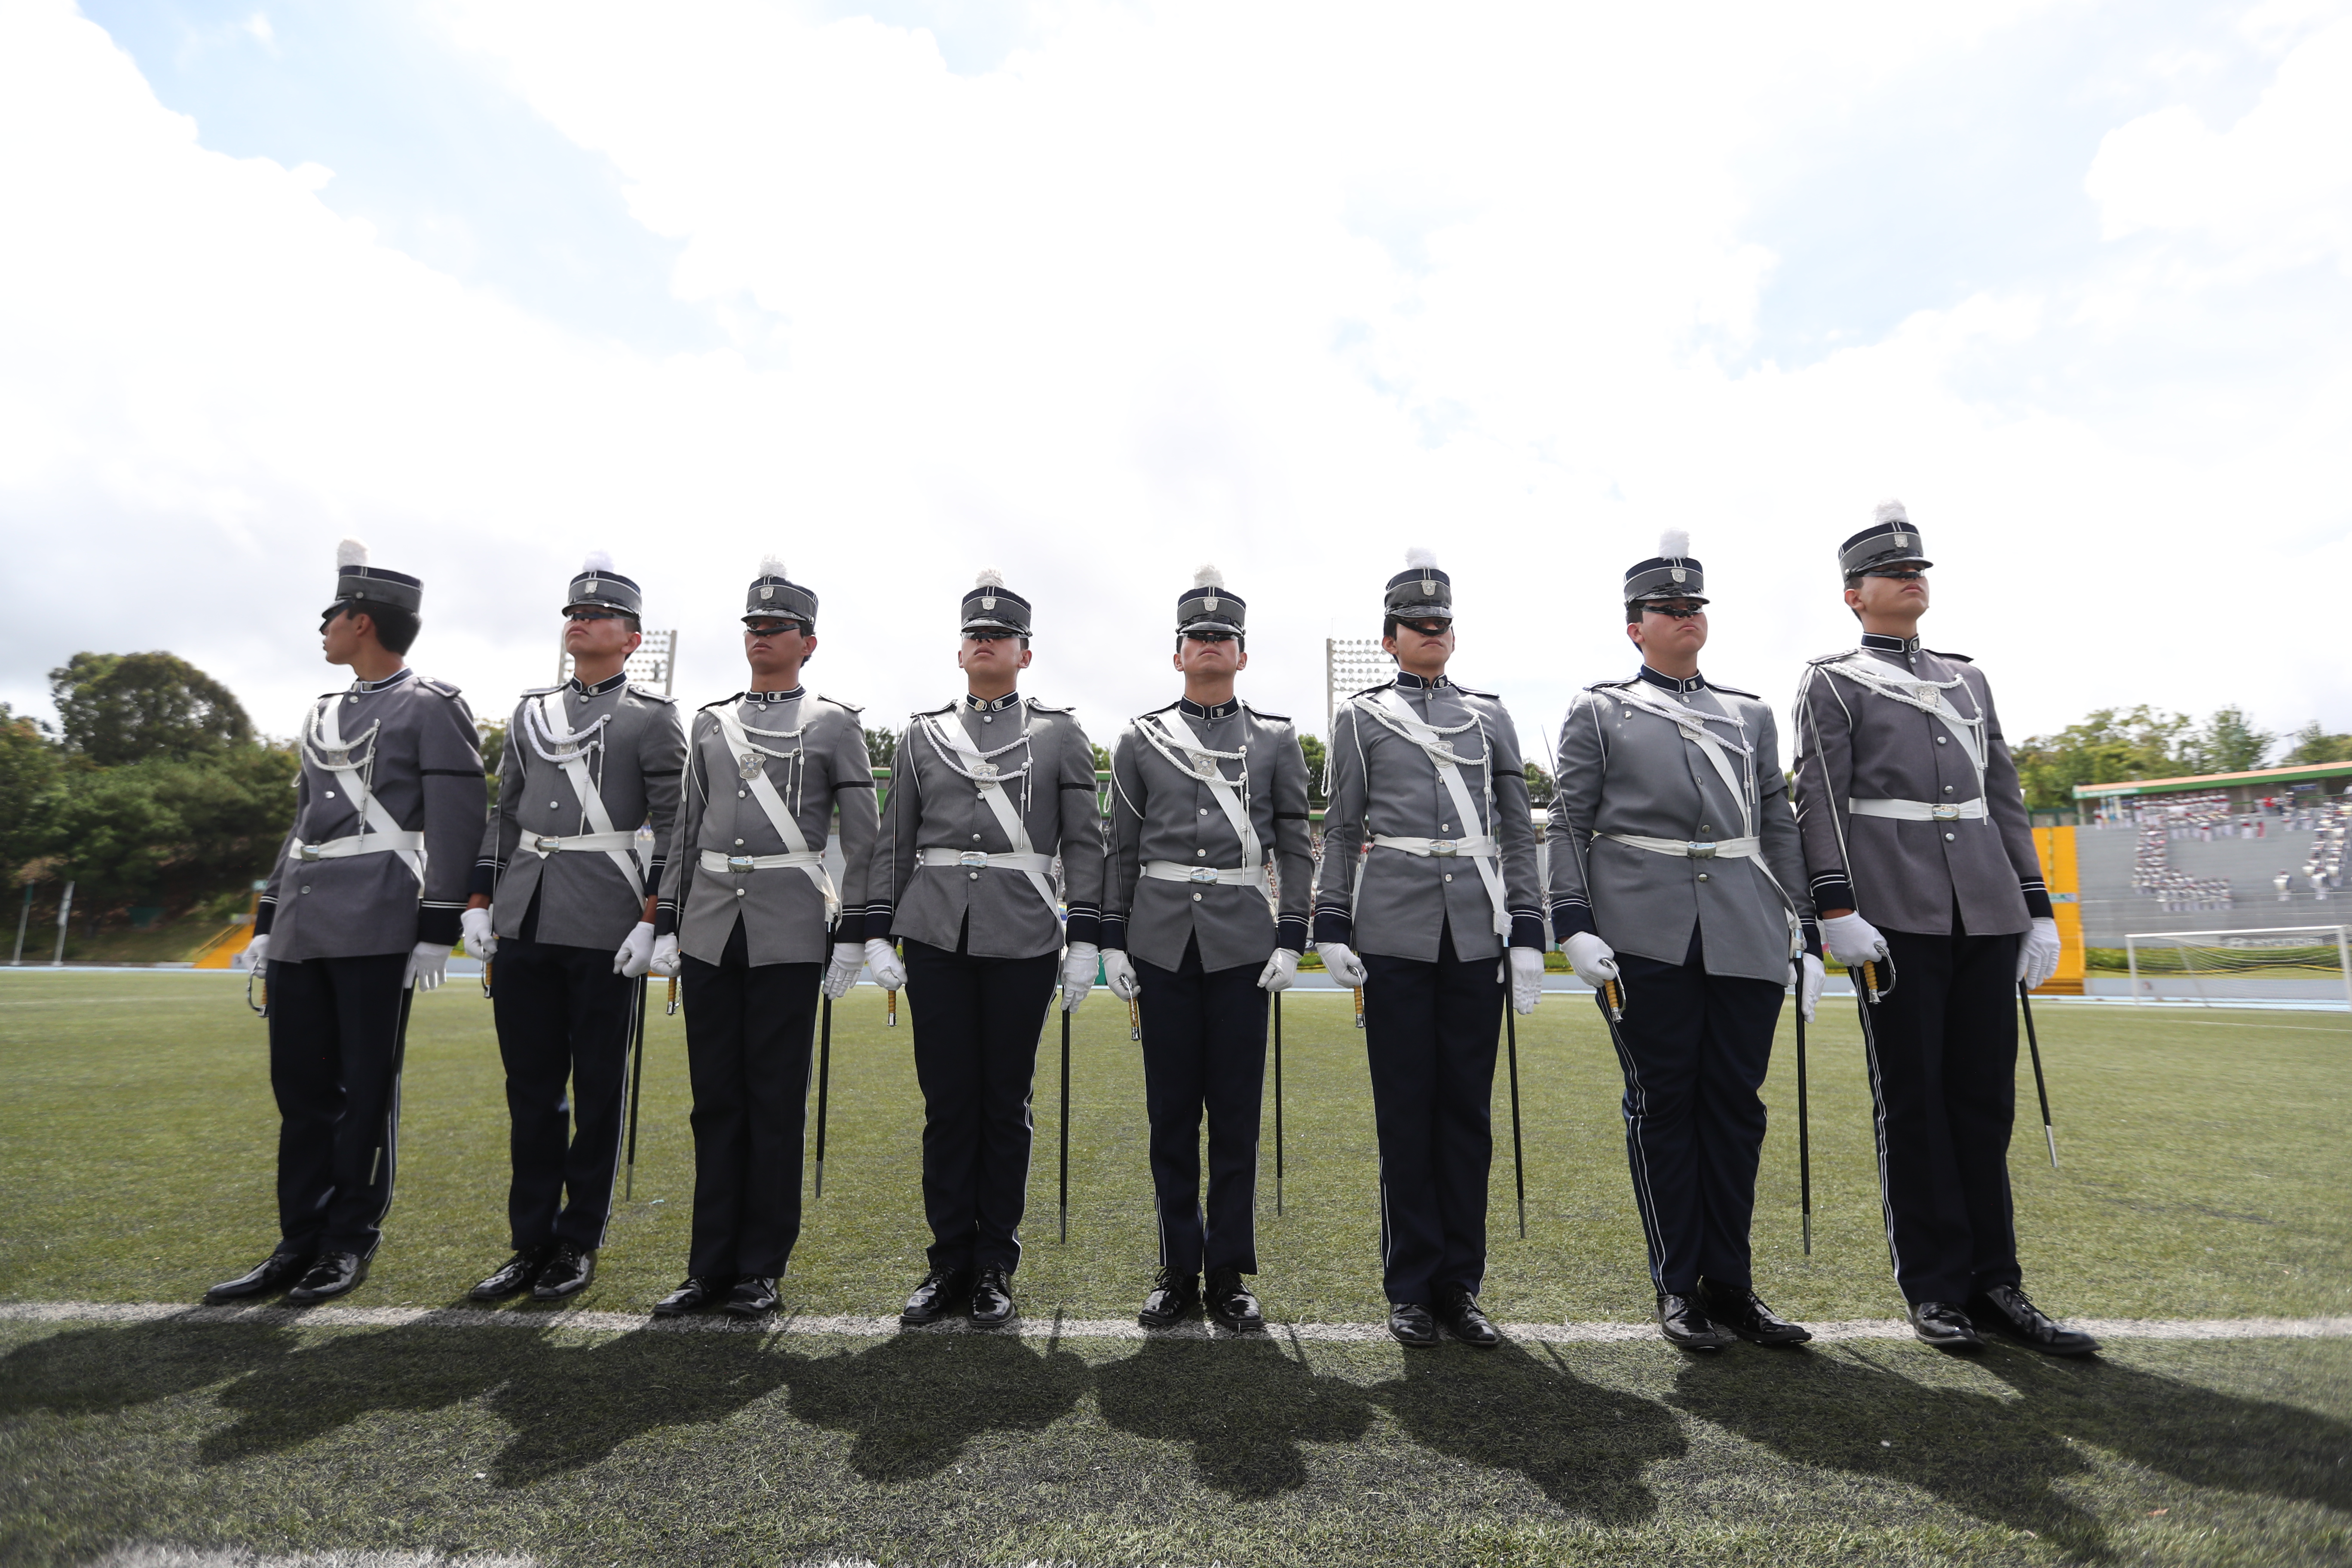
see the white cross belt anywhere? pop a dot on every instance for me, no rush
(1479, 846)
(1918, 810)
(544, 845)
(1003, 860)
(1693, 848)
(720, 864)
(1222, 876)
(358, 844)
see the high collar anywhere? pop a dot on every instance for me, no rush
(601, 687)
(394, 679)
(991, 704)
(795, 695)
(1668, 683)
(1412, 682)
(1192, 709)
(1879, 642)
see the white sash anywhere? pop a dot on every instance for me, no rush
(1007, 818)
(1490, 870)
(375, 820)
(788, 827)
(592, 800)
(1867, 671)
(1693, 723)
(1180, 733)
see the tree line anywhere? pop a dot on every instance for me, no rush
(2114, 745)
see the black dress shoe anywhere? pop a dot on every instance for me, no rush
(1458, 1309)
(1687, 1325)
(693, 1295)
(992, 1299)
(334, 1274)
(1231, 1304)
(1740, 1310)
(271, 1275)
(567, 1273)
(1944, 1326)
(515, 1276)
(944, 1291)
(1172, 1298)
(2006, 1312)
(1410, 1324)
(754, 1296)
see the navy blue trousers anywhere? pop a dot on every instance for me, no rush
(749, 1031)
(334, 1067)
(1695, 1048)
(564, 1020)
(1204, 1048)
(1430, 1034)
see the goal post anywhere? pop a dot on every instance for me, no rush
(2257, 963)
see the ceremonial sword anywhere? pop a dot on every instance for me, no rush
(2033, 1044)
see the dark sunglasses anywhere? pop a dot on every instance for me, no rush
(1208, 636)
(771, 629)
(1908, 574)
(1679, 612)
(989, 634)
(592, 614)
(1429, 628)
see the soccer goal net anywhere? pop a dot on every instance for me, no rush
(2277, 963)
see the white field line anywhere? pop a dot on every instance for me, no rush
(808, 1324)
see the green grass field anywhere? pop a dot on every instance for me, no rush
(2204, 1177)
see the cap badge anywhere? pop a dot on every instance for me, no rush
(1212, 601)
(1678, 573)
(988, 601)
(749, 765)
(1902, 541)
(767, 592)
(591, 587)
(1429, 587)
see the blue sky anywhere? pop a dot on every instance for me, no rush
(1093, 292)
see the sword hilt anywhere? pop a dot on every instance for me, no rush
(672, 1006)
(486, 977)
(1134, 1020)
(1869, 980)
(1610, 994)
(891, 1018)
(1360, 1006)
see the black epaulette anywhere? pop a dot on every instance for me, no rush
(439, 687)
(546, 690)
(1735, 691)
(1269, 717)
(1837, 657)
(1608, 685)
(931, 712)
(1049, 707)
(1368, 690)
(636, 690)
(1474, 691)
(722, 702)
(837, 702)
(1939, 653)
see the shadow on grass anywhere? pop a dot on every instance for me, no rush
(914, 1402)
(2005, 1460)
(1584, 1445)
(100, 1371)
(1243, 1407)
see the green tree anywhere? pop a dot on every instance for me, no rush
(2229, 743)
(2313, 744)
(120, 708)
(1313, 748)
(1538, 785)
(494, 756)
(127, 831)
(882, 747)
(2108, 746)
(29, 765)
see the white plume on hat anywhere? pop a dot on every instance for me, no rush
(1422, 557)
(1891, 511)
(1208, 576)
(599, 562)
(772, 566)
(1675, 543)
(990, 577)
(351, 553)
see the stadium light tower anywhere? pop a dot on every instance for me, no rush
(1350, 664)
(654, 664)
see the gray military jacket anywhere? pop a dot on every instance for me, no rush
(1045, 769)
(1163, 811)
(629, 740)
(1384, 785)
(409, 741)
(1856, 743)
(1628, 769)
(812, 749)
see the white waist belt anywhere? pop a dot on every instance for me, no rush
(1478, 847)
(1006, 860)
(358, 844)
(544, 845)
(712, 860)
(1224, 876)
(1916, 810)
(1693, 848)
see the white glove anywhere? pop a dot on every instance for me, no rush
(1809, 976)
(1527, 979)
(480, 939)
(1852, 940)
(1280, 970)
(636, 952)
(888, 973)
(664, 962)
(2037, 955)
(1078, 960)
(1341, 962)
(256, 952)
(1593, 960)
(1119, 973)
(428, 965)
(848, 958)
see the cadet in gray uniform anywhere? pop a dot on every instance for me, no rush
(1204, 788)
(1922, 862)
(1675, 875)
(986, 793)
(361, 907)
(752, 921)
(1429, 774)
(561, 899)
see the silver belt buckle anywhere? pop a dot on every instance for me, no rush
(1699, 849)
(1201, 874)
(740, 863)
(1444, 848)
(309, 852)
(546, 845)
(972, 857)
(1946, 813)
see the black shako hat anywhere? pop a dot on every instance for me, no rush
(598, 586)
(1209, 605)
(1671, 574)
(774, 597)
(992, 606)
(1420, 591)
(362, 587)
(1889, 540)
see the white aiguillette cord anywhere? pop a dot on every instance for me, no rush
(327, 726)
(1447, 762)
(948, 741)
(1865, 670)
(571, 755)
(764, 789)
(1181, 734)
